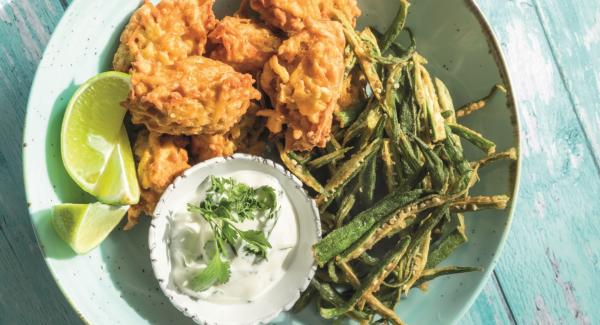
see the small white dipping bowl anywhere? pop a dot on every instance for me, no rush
(283, 294)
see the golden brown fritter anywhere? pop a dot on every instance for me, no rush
(244, 137)
(196, 95)
(352, 89)
(165, 33)
(160, 158)
(205, 147)
(291, 15)
(242, 43)
(304, 81)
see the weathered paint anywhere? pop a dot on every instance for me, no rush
(549, 269)
(27, 292)
(551, 263)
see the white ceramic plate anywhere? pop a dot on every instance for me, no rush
(114, 283)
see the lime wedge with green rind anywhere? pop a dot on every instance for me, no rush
(94, 145)
(85, 226)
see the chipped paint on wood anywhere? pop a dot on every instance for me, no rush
(556, 83)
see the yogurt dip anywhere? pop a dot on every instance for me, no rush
(251, 276)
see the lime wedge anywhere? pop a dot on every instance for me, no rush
(94, 144)
(85, 226)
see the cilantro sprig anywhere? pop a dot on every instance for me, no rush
(229, 202)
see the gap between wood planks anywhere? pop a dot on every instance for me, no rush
(64, 4)
(505, 303)
(563, 80)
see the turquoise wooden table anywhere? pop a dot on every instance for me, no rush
(550, 269)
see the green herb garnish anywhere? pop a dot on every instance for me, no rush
(228, 202)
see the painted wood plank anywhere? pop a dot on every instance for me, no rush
(28, 294)
(573, 31)
(489, 308)
(549, 270)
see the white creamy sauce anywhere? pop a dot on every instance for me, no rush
(250, 277)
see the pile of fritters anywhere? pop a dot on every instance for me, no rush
(203, 88)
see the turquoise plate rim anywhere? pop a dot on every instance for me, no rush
(496, 53)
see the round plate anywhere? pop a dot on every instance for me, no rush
(114, 283)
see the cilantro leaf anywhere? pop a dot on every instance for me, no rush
(226, 203)
(256, 242)
(215, 273)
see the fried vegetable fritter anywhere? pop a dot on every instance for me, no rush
(243, 44)
(291, 15)
(164, 34)
(304, 81)
(160, 158)
(196, 95)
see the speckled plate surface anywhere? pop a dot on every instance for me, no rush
(114, 283)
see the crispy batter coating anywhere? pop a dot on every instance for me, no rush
(242, 43)
(304, 81)
(161, 158)
(204, 147)
(165, 33)
(291, 15)
(196, 95)
(244, 137)
(352, 89)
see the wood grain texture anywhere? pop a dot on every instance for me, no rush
(549, 269)
(27, 292)
(551, 263)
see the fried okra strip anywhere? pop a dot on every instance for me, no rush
(297, 169)
(431, 274)
(510, 154)
(477, 105)
(474, 137)
(388, 165)
(391, 224)
(347, 171)
(475, 203)
(329, 294)
(435, 166)
(328, 158)
(374, 303)
(396, 27)
(362, 54)
(376, 276)
(449, 243)
(305, 298)
(342, 238)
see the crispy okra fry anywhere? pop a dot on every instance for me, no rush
(396, 27)
(448, 244)
(374, 303)
(435, 166)
(431, 274)
(362, 54)
(329, 294)
(388, 165)
(475, 203)
(305, 299)
(474, 137)
(328, 158)
(346, 206)
(510, 154)
(297, 169)
(347, 171)
(477, 105)
(342, 238)
(391, 224)
(427, 100)
(376, 276)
